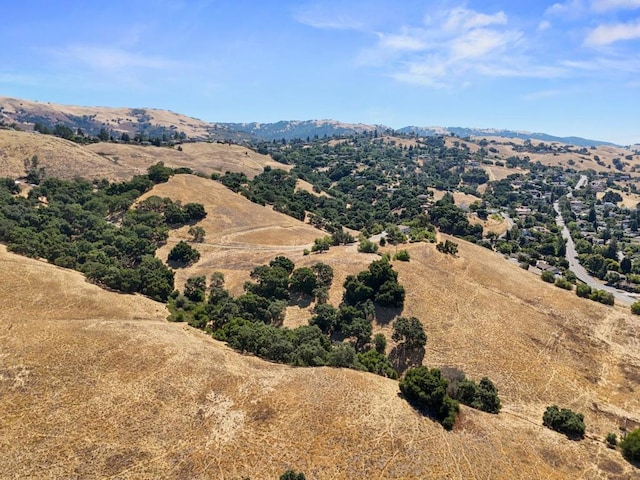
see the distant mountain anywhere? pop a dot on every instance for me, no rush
(158, 123)
(290, 130)
(490, 132)
(149, 122)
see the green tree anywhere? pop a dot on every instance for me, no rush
(33, 171)
(292, 475)
(183, 254)
(427, 390)
(380, 343)
(195, 287)
(564, 421)
(630, 446)
(410, 332)
(197, 234)
(303, 280)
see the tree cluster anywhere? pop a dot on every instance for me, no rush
(565, 421)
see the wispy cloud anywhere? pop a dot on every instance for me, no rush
(611, 33)
(454, 47)
(609, 5)
(112, 59)
(319, 17)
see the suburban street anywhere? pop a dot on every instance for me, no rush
(582, 274)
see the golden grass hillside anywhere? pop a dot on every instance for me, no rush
(96, 385)
(239, 234)
(116, 119)
(64, 159)
(60, 158)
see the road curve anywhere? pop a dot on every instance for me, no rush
(582, 274)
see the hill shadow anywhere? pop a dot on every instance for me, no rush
(384, 315)
(301, 300)
(402, 359)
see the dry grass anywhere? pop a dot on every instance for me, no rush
(629, 200)
(64, 159)
(239, 233)
(493, 223)
(96, 384)
(117, 119)
(60, 158)
(202, 157)
(460, 199)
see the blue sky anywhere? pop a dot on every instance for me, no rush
(565, 68)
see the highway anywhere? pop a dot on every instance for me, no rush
(621, 296)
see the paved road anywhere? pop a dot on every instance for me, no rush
(582, 274)
(582, 182)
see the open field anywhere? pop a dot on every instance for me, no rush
(96, 384)
(494, 223)
(64, 159)
(239, 233)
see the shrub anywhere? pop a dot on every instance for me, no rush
(603, 297)
(630, 446)
(482, 396)
(402, 255)
(563, 283)
(583, 290)
(367, 246)
(635, 308)
(427, 390)
(448, 247)
(564, 421)
(548, 276)
(612, 440)
(183, 254)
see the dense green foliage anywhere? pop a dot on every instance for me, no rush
(90, 227)
(564, 421)
(426, 390)
(292, 475)
(481, 396)
(379, 284)
(183, 254)
(630, 446)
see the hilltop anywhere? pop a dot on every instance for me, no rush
(153, 122)
(91, 120)
(116, 161)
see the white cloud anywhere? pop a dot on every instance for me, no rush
(402, 41)
(317, 17)
(453, 48)
(608, 5)
(480, 43)
(568, 8)
(612, 33)
(461, 19)
(112, 59)
(544, 25)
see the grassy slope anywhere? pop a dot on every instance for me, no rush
(96, 384)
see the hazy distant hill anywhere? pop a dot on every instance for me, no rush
(491, 132)
(290, 130)
(150, 122)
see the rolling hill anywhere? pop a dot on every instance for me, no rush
(97, 384)
(26, 113)
(114, 161)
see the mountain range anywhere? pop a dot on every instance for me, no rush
(158, 123)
